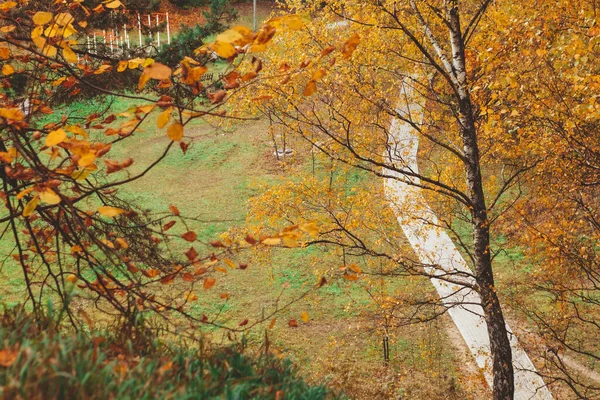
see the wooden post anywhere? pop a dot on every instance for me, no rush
(168, 30)
(95, 44)
(150, 26)
(89, 48)
(157, 34)
(126, 36)
(140, 29)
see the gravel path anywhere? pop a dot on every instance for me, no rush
(433, 246)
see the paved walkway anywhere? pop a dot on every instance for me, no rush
(433, 246)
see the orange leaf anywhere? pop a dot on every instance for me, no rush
(272, 324)
(174, 210)
(350, 45)
(310, 88)
(209, 282)
(8, 357)
(110, 212)
(164, 118)
(188, 277)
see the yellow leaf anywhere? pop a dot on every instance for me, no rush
(109, 211)
(36, 33)
(8, 5)
(113, 4)
(8, 28)
(175, 132)
(223, 49)
(229, 263)
(69, 55)
(310, 88)
(122, 66)
(42, 17)
(304, 316)
(229, 36)
(311, 228)
(56, 137)
(49, 51)
(190, 296)
(122, 242)
(72, 278)
(86, 159)
(49, 197)
(320, 73)
(164, 118)
(271, 241)
(63, 19)
(290, 241)
(30, 207)
(77, 130)
(156, 71)
(8, 69)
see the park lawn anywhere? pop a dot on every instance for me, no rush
(341, 341)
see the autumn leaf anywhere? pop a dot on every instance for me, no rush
(8, 357)
(8, 70)
(355, 268)
(113, 4)
(72, 278)
(209, 283)
(217, 97)
(190, 296)
(31, 206)
(48, 196)
(223, 49)
(175, 132)
(109, 211)
(310, 88)
(164, 118)
(273, 241)
(304, 316)
(272, 324)
(56, 137)
(350, 46)
(292, 323)
(155, 71)
(190, 236)
(42, 17)
(174, 209)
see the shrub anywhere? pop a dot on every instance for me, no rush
(39, 362)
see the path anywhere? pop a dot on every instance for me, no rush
(433, 246)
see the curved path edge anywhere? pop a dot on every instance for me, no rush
(436, 250)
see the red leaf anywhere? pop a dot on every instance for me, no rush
(174, 210)
(292, 323)
(244, 322)
(169, 225)
(190, 236)
(188, 277)
(243, 266)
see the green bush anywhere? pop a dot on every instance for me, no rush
(40, 363)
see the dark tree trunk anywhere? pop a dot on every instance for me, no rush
(499, 342)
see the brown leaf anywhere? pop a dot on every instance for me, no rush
(191, 254)
(188, 277)
(189, 236)
(244, 322)
(217, 96)
(292, 323)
